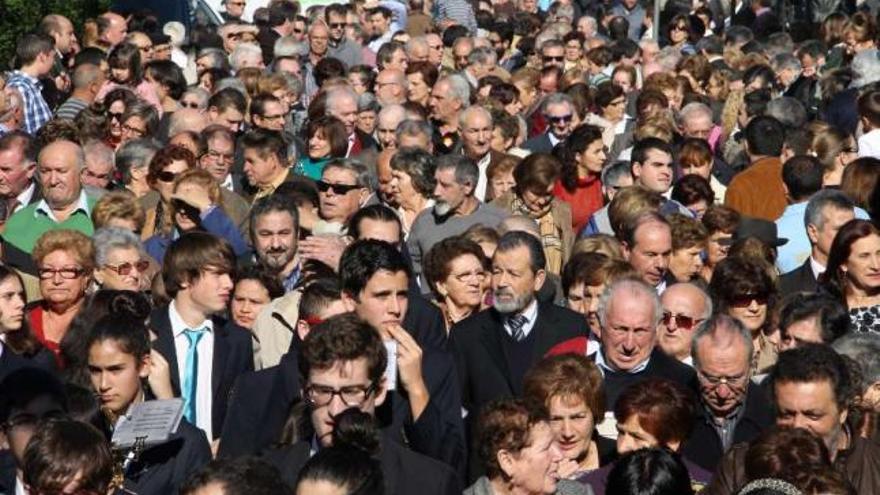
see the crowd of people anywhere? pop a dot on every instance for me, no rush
(460, 246)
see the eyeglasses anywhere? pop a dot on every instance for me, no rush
(339, 25)
(681, 321)
(553, 59)
(166, 176)
(352, 396)
(849, 149)
(126, 268)
(66, 273)
(717, 381)
(115, 115)
(134, 130)
(189, 104)
(272, 117)
(220, 157)
(464, 277)
(336, 188)
(559, 119)
(745, 300)
(298, 31)
(680, 27)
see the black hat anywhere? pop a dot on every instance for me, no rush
(763, 230)
(158, 38)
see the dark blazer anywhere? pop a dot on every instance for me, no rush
(703, 446)
(11, 362)
(233, 355)
(164, 468)
(483, 369)
(659, 366)
(260, 405)
(539, 144)
(424, 321)
(405, 472)
(803, 89)
(800, 279)
(765, 25)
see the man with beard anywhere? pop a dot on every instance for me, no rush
(495, 347)
(455, 210)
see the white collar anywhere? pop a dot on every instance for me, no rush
(178, 326)
(25, 196)
(816, 267)
(81, 204)
(605, 366)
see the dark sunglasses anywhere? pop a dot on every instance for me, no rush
(166, 176)
(553, 59)
(560, 119)
(336, 188)
(681, 321)
(189, 104)
(338, 25)
(126, 268)
(115, 115)
(745, 300)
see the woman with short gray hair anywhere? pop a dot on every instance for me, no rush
(120, 263)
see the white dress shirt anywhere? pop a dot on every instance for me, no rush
(205, 348)
(482, 180)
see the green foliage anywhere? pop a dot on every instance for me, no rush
(18, 17)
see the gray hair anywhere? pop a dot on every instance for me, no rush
(217, 57)
(413, 127)
(231, 83)
(824, 198)
(413, 42)
(200, 94)
(631, 286)
(612, 174)
(108, 239)
(467, 112)
(668, 58)
(787, 110)
(335, 94)
(694, 109)
(362, 175)
(288, 46)
(396, 113)
(720, 329)
(14, 102)
(557, 99)
(863, 348)
(866, 65)
(466, 170)
(95, 150)
(240, 51)
(367, 102)
(135, 154)
(459, 88)
(483, 55)
(786, 61)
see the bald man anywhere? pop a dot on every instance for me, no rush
(386, 126)
(685, 306)
(391, 87)
(112, 29)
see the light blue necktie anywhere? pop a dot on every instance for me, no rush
(191, 374)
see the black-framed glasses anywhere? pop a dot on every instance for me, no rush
(115, 115)
(134, 130)
(351, 396)
(126, 268)
(336, 188)
(339, 25)
(166, 176)
(679, 27)
(553, 59)
(189, 104)
(559, 119)
(745, 300)
(65, 273)
(681, 321)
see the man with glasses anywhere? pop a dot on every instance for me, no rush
(342, 365)
(64, 204)
(553, 53)
(435, 49)
(267, 113)
(390, 87)
(342, 48)
(233, 10)
(732, 409)
(343, 189)
(685, 306)
(386, 127)
(143, 43)
(559, 112)
(461, 50)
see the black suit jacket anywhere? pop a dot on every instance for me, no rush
(11, 362)
(659, 366)
(703, 446)
(405, 472)
(261, 401)
(233, 355)
(800, 279)
(424, 321)
(539, 144)
(164, 468)
(483, 369)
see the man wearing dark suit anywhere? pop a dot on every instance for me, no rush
(628, 351)
(494, 348)
(475, 128)
(422, 410)
(766, 21)
(343, 365)
(731, 408)
(205, 353)
(559, 111)
(826, 212)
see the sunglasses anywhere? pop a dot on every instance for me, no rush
(681, 321)
(745, 300)
(553, 59)
(115, 115)
(126, 268)
(336, 188)
(339, 25)
(166, 176)
(189, 104)
(561, 119)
